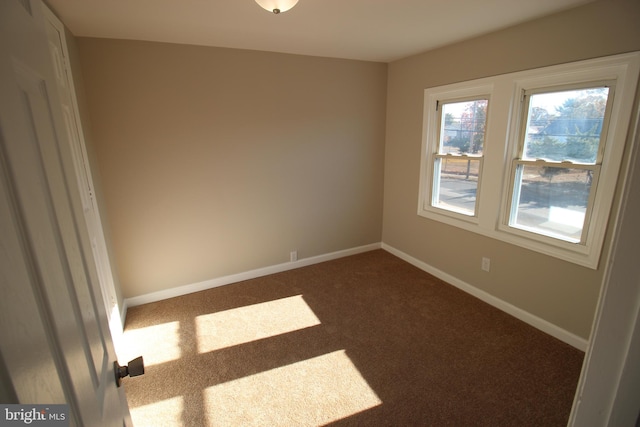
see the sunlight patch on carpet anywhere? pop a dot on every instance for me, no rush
(158, 344)
(317, 391)
(163, 413)
(253, 322)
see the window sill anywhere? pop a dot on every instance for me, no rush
(567, 251)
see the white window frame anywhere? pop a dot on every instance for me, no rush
(502, 144)
(433, 102)
(595, 168)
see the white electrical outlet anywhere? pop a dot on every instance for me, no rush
(486, 264)
(293, 256)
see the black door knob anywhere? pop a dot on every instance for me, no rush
(133, 369)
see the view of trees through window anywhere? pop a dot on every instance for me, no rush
(464, 127)
(566, 126)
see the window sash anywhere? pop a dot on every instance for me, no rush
(520, 163)
(441, 117)
(526, 105)
(436, 156)
(540, 232)
(437, 187)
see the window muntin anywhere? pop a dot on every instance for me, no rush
(560, 155)
(457, 162)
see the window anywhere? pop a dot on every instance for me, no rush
(530, 158)
(560, 156)
(458, 157)
(455, 151)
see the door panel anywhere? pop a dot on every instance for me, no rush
(25, 349)
(46, 248)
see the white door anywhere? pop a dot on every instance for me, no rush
(73, 127)
(55, 345)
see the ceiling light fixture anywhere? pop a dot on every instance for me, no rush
(277, 6)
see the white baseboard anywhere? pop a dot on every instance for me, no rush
(536, 322)
(260, 272)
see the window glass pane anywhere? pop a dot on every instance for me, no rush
(463, 127)
(565, 125)
(552, 201)
(456, 184)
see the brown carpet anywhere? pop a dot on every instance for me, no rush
(367, 340)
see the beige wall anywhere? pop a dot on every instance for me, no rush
(219, 161)
(556, 291)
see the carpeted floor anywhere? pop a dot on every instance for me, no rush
(367, 340)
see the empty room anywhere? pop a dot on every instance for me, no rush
(314, 212)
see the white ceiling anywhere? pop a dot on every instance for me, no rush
(371, 30)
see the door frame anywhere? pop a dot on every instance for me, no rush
(82, 164)
(609, 385)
